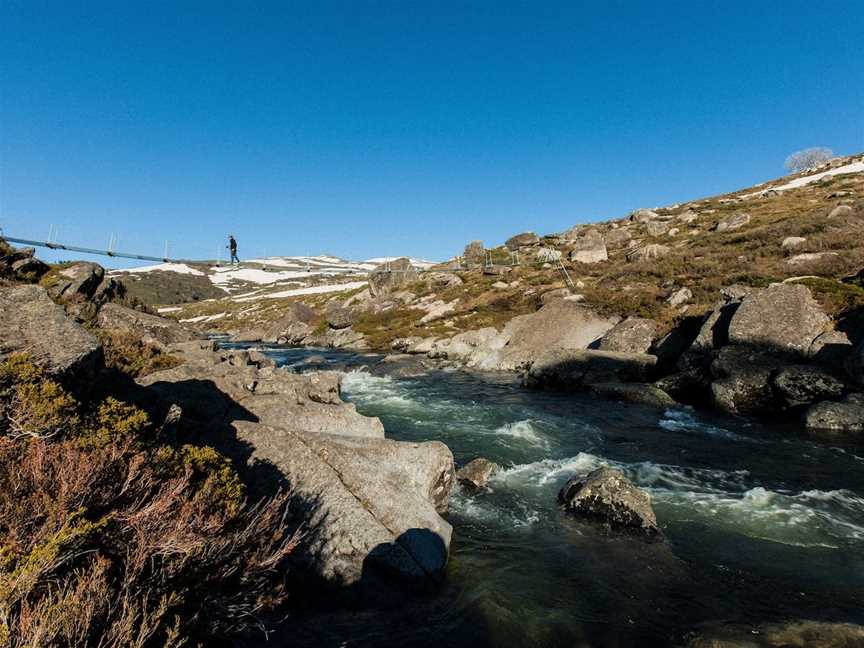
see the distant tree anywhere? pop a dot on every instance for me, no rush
(808, 158)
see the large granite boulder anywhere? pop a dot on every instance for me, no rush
(31, 323)
(338, 317)
(567, 369)
(391, 276)
(295, 324)
(742, 380)
(30, 269)
(522, 240)
(608, 496)
(561, 325)
(151, 329)
(643, 215)
(782, 317)
(632, 335)
(442, 280)
(589, 248)
(75, 282)
(804, 384)
(372, 505)
(844, 416)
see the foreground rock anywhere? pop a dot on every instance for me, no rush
(77, 281)
(476, 473)
(608, 496)
(374, 503)
(30, 322)
(641, 393)
(372, 506)
(151, 329)
(220, 386)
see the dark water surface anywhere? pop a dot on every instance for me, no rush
(762, 524)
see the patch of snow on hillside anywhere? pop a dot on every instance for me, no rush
(254, 275)
(170, 309)
(854, 167)
(203, 318)
(311, 290)
(420, 264)
(179, 268)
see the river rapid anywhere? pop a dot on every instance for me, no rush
(762, 524)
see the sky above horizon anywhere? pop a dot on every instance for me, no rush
(364, 129)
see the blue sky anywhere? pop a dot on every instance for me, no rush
(370, 128)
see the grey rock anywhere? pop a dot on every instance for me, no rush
(210, 387)
(371, 503)
(476, 473)
(656, 228)
(792, 242)
(804, 384)
(442, 280)
(643, 215)
(792, 634)
(522, 240)
(617, 237)
(589, 248)
(742, 382)
(388, 278)
(680, 297)
(569, 369)
(77, 281)
(781, 317)
(151, 329)
(832, 349)
(608, 496)
(295, 323)
(845, 416)
(810, 257)
(840, 211)
(642, 393)
(733, 222)
(338, 317)
(855, 364)
(688, 216)
(29, 269)
(31, 323)
(553, 295)
(632, 335)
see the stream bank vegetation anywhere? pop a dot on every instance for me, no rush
(115, 534)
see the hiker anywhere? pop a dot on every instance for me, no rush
(232, 245)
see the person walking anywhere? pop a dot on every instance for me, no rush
(232, 245)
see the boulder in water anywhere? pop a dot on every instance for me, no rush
(845, 416)
(804, 384)
(574, 369)
(608, 496)
(476, 473)
(642, 393)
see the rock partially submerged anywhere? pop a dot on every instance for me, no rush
(372, 505)
(606, 495)
(476, 473)
(845, 416)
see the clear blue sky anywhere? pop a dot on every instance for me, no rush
(372, 128)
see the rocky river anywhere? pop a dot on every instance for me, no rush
(762, 524)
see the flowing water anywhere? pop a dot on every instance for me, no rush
(761, 523)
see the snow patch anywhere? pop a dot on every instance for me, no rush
(179, 268)
(854, 167)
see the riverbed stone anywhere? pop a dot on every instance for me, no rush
(642, 393)
(567, 369)
(607, 495)
(742, 380)
(476, 473)
(803, 384)
(844, 416)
